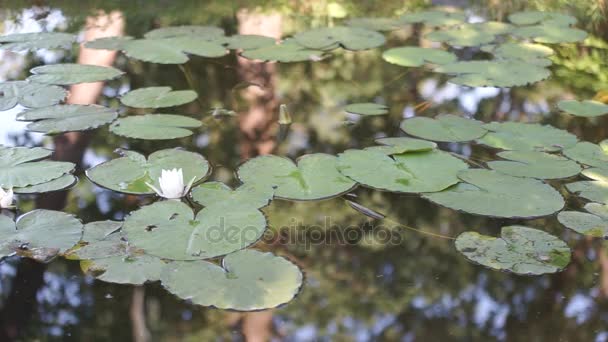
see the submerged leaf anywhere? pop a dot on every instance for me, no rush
(588, 108)
(594, 223)
(155, 126)
(350, 38)
(157, 97)
(527, 137)
(417, 56)
(448, 127)
(67, 74)
(67, 118)
(535, 165)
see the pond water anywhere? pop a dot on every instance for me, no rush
(376, 265)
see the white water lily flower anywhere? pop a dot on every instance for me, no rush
(6, 198)
(172, 184)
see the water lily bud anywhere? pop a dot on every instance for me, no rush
(284, 116)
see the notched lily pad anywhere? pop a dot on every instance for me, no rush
(130, 173)
(155, 126)
(521, 250)
(285, 52)
(595, 190)
(249, 195)
(157, 97)
(535, 165)
(108, 43)
(172, 50)
(435, 17)
(589, 154)
(587, 108)
(551, 34)
(67, 118)
(247, 280)
(399, 145)
(30, 95)
(417, 56)
(206, 33)
(350, 38)
(470, 34)
(315, 176)
(448, 128)
(65, 182)
(366, 108)
(248, 41)
(23, 166)
(536, 17)
(527, 137)
(524, 52)
(36, 40)
(593, 223)
(497, 73)
(67, 74)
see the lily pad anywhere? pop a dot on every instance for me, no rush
(498, 73)
(214, 193)
(491, 193)
(30, 95)
(67, 118)
(437, 17)
(248, 41)
(525, 52)
(366, 108)
(593, 223)
(40, 234)
(536, 17)
(22, 166)
(375, 24)
(315, 176)
(207, 33)
(350, 38)
(527, 137)
(247, 280)
(589, 154)
(130, 173)
(287, 51)
(551, 34)
(157, 97)
(595, 190)
(67, 74)
(399, 145)
(169, 230)
(417, 56)
(64, 182)
(588, 108)
(412, 172)
(36, 40)
(535, 165)
(470, 34)
(521, 250)
(449, 128)
(172, 50)
(108, 43)
(155, 126)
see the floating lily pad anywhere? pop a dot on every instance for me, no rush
(525, 52)
(100, 240)
(248, 41)
(207, 33)
(375, 24)
(491, 193)
(155, 126)
(411, 172)
(39, 234)
(366, 108)
(169, 230)
(551, 34)
(157, 97)
(470, 34)
(399, 145)
(172, 50)
(30, 95)
(417, 56)
(130, 173)
(526, 137)
(594, 223)
(586, 108)
(37, 40)
(589, 154)
(108, 43)
(22, 166)
(247, 280)
(435, 17)
(595, 190)
(315, 176)
(535, 165)
(214, 193)
(521, 250)
(536, 17)
(498, 73)
(64, 182)
(287, 51)
(67, 118)
(449, 128)
(350, 38)
(67, 74)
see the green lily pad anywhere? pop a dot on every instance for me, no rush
(527, 137)
(64, 182)
(375, 24)
(491, 193)
(535, 165)
(525, 52)
(67, 74)
(536, 17)
(315, 176)
(437, 17)
(412, 172)
(399, 145)
(366, 108)
(586, 108)
(287, 51)
(67, 118)
(108, 43)
(39, 234)
(551, 34)
(593, 223)
(100, 239)
(155, 126)
(157, 97)
(521, 250)
(248, 41)
(250, 195)
(30, 95)
(247, 280)
(207, 33)
(37, 40)
(499, 73)
(22, 166)
(470, 34)
(350, 38)
(173, 50)
(595, 190)
(449, 128)
(130, 173)
(417, 56)
(169, 230)
(589, 154)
